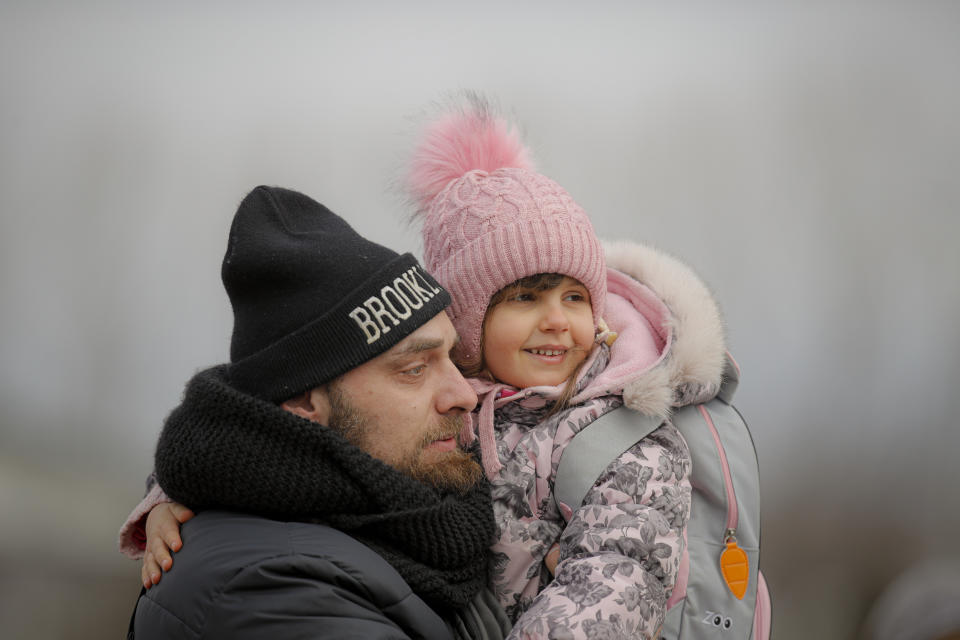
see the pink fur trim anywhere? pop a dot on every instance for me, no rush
(643, 341)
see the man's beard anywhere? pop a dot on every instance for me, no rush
(454, 470)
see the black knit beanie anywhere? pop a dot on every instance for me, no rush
(311, 298)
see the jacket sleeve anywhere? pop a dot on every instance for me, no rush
(277, 598)
(620, 552)
(295, 599)
(132, 538)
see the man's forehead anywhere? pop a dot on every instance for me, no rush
(438, 332)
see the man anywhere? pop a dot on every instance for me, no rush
(332, 497)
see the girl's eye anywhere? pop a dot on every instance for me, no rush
(575, 297)
(524, 296)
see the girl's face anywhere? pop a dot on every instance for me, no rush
(534, 338)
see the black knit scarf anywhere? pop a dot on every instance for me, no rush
(227, 450)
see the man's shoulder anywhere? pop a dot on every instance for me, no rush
(233, 564)
(226, 533)
(219, 544)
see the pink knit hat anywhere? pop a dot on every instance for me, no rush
(489, 219)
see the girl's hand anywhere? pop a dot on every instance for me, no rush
(551, 559)
(163, 536)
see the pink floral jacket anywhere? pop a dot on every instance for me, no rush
(620, 552)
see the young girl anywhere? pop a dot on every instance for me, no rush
(551, 339)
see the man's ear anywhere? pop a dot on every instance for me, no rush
(314, 405)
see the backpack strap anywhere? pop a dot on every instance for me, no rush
(585, 458)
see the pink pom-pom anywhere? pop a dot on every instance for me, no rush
(466, 139)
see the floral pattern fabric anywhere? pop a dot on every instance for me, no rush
(620, 551)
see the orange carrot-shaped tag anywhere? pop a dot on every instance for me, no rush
(735, 568)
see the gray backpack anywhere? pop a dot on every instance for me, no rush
(724, 514)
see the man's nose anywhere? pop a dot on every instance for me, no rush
(456, 394)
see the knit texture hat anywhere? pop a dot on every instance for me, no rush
(489, 219)
(312, 298)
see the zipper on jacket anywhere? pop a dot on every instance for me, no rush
(734, 565)
(732, 513)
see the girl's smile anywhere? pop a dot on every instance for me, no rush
(550, 354)
(539, 337)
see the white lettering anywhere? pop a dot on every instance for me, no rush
(375, 305)
(413, 300)
(393, 307)
(395, 303)
(369, 327)
(411, 279)
(717, 619)
(419, 275)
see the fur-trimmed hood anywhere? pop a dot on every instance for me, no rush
(669, 350)
(664, 296)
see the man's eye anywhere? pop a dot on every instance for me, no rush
(415, 371)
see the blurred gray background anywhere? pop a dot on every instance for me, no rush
(803, 159)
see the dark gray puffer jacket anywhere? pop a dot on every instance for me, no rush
(241, 576)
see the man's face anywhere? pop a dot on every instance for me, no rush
(406, 407)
